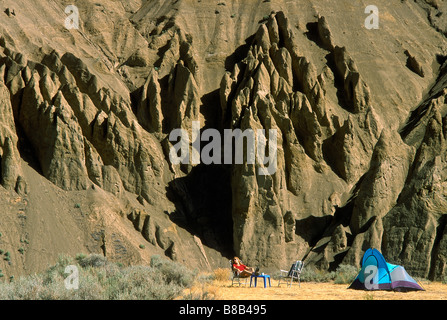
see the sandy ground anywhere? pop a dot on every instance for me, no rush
(223, 290)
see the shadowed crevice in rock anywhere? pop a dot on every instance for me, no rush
(203, 207)
(312, 229)
(239, 54)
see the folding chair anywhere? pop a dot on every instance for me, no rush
(293, 274)
(237, 275)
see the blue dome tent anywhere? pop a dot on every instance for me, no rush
(377, 274)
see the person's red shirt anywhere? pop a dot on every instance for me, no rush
(240, 267)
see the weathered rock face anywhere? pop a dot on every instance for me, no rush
(399, 204)
(81, 135)
(414, 230)
(363, 166)
(358, 117)
(10, 158)
(282, 90)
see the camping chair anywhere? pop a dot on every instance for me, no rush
(293, 274)
(236, 275)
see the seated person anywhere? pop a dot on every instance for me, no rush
(242, 269)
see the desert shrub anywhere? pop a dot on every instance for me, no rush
(345, 274)
(312, 274)
(56, 272)
(92, 260)
(100, 279)
(142, 283)
(173, 272)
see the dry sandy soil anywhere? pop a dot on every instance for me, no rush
(223, 290)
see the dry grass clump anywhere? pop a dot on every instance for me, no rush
(222, 274)
(201, 290)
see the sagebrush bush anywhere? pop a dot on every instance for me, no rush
(173, 272)
(312, 274)
(100, 279)
(92, 260)
(345, 274)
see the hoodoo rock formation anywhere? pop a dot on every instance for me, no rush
(360, 116)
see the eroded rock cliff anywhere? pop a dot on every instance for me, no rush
(359, 116)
